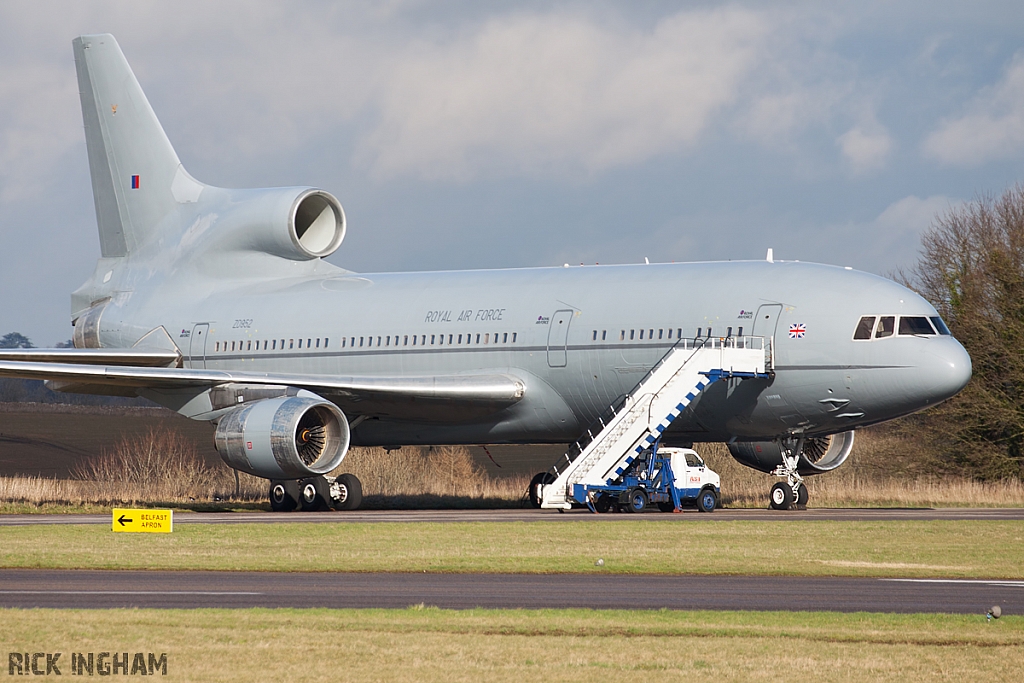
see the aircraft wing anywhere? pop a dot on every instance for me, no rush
(436, 397)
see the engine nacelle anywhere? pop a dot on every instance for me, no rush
(284, 438)
(820, 454)
(295, 223)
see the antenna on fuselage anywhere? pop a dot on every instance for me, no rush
(770, 257)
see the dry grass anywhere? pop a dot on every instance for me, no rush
(868, 479)
(428, 644)
(163, 467)
(434, 477)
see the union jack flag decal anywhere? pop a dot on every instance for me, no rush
(797, 331)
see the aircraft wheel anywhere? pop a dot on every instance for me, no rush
(350, 492)
(781, 496)
(603, 503)
(284, 496)
(314, 494)
(707, 501)
(535, 484)
(636, 500)
(801, 495)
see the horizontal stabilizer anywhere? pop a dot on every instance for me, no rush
(148, 357)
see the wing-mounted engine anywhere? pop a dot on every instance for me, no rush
(288, 437)
(820, 454)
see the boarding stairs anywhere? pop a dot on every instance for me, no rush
(613, 442)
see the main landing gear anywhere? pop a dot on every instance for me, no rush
(344, 492)
(793, 491)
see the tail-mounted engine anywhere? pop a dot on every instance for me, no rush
(820, 454)
(284, 438)
(296, 223)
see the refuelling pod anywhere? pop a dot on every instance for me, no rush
(284, 438)
(820, 454)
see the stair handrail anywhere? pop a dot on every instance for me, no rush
(597, 426)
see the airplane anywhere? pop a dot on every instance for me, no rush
(217, 303)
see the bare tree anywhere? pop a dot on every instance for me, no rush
(972, 270)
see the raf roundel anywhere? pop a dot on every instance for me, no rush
(797, 331)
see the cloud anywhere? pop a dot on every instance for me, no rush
(865, 148)
(992, 129)
(532, 93)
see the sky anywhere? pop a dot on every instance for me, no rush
(514, 134)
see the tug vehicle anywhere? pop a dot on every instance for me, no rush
(669, 478)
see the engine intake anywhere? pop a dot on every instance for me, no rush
(820, 454)
(284, 438)
(317, 223)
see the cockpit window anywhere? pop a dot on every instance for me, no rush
(886, 326)
(939, 325)
(864, 327)
(912, 324)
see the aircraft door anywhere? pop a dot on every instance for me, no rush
(765, 321)
(558, 338)
(197, 346)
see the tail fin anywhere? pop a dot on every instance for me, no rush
(137, 178)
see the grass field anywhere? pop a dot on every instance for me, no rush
(428, 644)
(945, 549)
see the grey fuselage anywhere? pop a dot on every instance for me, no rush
(572, 334)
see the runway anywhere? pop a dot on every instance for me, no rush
(540, 516)
(31, 588)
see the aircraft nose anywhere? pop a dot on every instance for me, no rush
(948, 368)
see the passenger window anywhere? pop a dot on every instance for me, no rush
(504, 338)
(886, 326)
(604, 335)
(514, 334)
(309, 343)
(864, 327)
(728, 332)
(622, 335)
(405, 340)
(940, 326)
(650, 334)
(641, 334)
(915, 325)
(631, 334)
(670, 334)
(450, 338)
(217, 347)
(248, 345)
(699, 330)
(478, 338)
(740, 333)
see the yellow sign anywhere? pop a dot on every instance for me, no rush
(143, 521)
